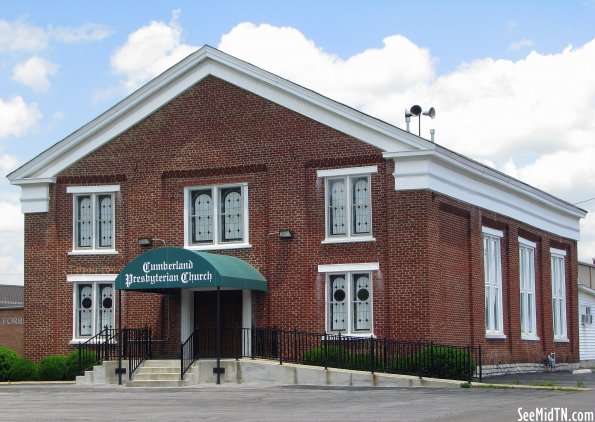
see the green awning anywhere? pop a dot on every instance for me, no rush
(178, 268)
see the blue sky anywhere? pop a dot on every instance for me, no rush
(512, 82)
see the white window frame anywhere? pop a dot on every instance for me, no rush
(94, 280)
(93, 192)
(347, 174)
(558, 275)
(216, 243)
(493, 281)
(527, 289)
(349, 270)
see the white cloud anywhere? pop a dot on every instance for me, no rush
(11, 233)
(149, 51)
(520, 44)
(35, 73)
(87, 32)
(8, 163)
(17, 117)
(538, 111)
(359, 80)
(20, 36)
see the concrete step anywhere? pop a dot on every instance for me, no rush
(171, 376)
(158, 383)
(158, 370)
(171, 363)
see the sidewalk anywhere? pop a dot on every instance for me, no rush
(560, 379)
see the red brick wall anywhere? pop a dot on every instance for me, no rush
(430, 283)
(457, 293)
(11, 329)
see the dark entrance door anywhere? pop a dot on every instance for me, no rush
(205, 322)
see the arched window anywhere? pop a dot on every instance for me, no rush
(84, 222)
(361, 302)
(104, 226)
(85, 310)
(337, 207)
(105, 307)
(94, 307)
(217, 215)
(338, 303)
(202, 216)
(349, 299)
(231, 214)
(361, 206)
(93, 216)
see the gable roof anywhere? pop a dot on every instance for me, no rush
(11, 297)
(420, 164)
(200, 64)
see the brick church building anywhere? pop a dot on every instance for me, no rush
(355, 225)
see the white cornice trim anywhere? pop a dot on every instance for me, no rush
(461, 178)
(204, 62)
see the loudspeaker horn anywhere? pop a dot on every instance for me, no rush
(431, 112)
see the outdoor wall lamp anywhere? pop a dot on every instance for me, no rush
(145, 241)
(285, 234)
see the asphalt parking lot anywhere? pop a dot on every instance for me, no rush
(68, 402)
(559, 378)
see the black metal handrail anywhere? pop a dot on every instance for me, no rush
(100, 347)
(137, 346)
(187, 355)
(423, 359)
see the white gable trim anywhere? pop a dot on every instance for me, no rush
(443, 171)
(204, 62)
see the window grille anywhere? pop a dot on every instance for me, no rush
(202, 216)
(348, 206)
(231, 214)
(361, 302)
(338, 308)
(350, 303)
(361, 206)
(217, 215)
(94, 221)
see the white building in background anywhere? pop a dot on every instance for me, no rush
(586, 302)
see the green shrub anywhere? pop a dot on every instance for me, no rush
(335, 356)
(22, 370)
(77, 363)
(362, 362)
(436, 362)
(53, 368)
(7, 358)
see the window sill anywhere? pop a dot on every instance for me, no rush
(76, 341)
(530, 337)
(495, 336)
(94, 252)
(352, 239)
(336, 334)
(218, 246)
(561, 340)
